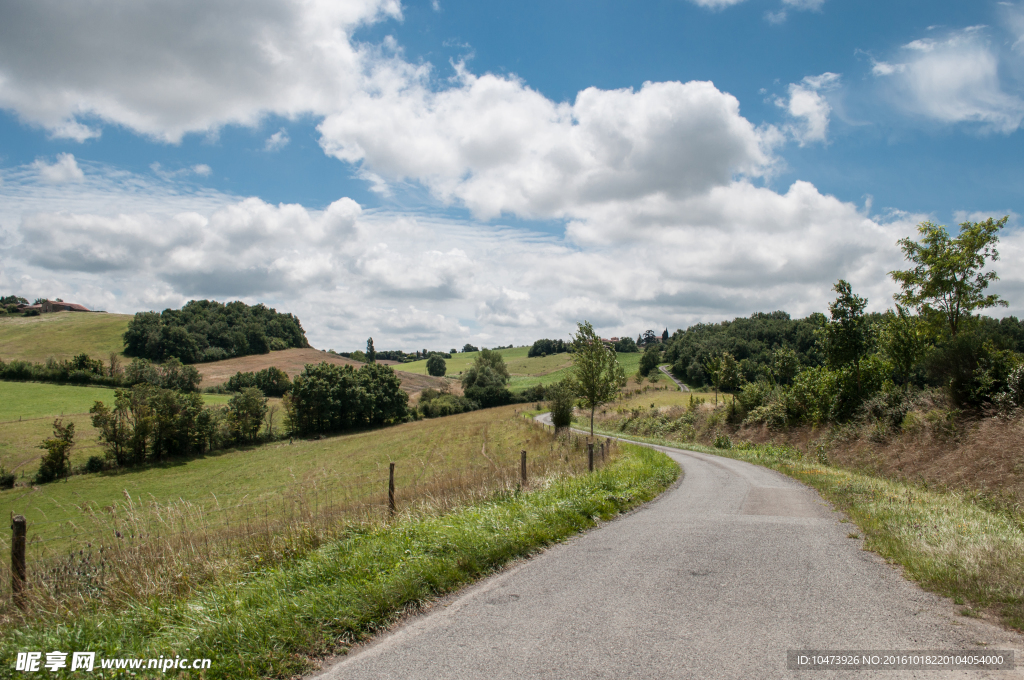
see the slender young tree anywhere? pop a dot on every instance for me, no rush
(846, 335)
(947, 281)
(596, 375)
(371, 353)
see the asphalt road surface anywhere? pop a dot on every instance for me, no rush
(717, 578)
(682, 385)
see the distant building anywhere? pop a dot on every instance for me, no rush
(48, 306)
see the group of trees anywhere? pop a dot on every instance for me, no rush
(206, 330)
(272, 381)
(329, 398)
(9, 304)
(869, 363)
(544, 347)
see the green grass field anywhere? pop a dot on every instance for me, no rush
(525, 371)
(426, 452)
(27, 412)
(61, 335)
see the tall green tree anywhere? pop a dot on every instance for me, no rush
(947, 280)
(846, 335)
(371, 353)
(903, 341)
(596, 375)
(246, 411)
(649, 360)
(436, 365)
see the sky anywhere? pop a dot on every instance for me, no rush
(436, 172)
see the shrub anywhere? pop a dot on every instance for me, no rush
(722, 441)
(56, 461)
(94, 464)
(562, 401)
(7, 479)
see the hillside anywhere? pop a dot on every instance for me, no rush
(62, 335)
(524, 371)
(291, 361)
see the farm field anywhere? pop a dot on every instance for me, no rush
(293, 360)
(432, 458)
(27, 412)
(62, 335)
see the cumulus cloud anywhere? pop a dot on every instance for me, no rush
(807, 103)
(64, 170)
(169, 67)
(953, 79)
(500, 147)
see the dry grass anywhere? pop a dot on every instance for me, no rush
(293, 360)
(133, 549)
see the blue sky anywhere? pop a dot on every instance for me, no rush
(442, 172)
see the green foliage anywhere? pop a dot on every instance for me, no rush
(330, 398)
(7, 479)
(596, 376)
(470, 348)
(434, 404)
(723, 441)
(56, 462)
(545, 347)
(206, 330)
(650, 359)
(971, 368)
(561, 401)
(625, 346)
(845, 338)
(179, 377)
(246, 411)
(371, 353)
(272, 381)
(485, 382)
(436, 365)
(947, 281)
(903, 341)
(751, 341)
(94, 464)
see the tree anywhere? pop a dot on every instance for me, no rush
(649, 338)
(625, 346)
(649, 361)
(246, 411)
(371, 353)
(664, 335)
(56, 462)
(562, 401)
(846, 335)
(902, 340)
(485, 381)
(436, 365)
(723, 371)
(470, 348)
(947, 281)
(596, 376)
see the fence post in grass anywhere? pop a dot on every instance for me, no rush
(18, 570)
(391, 490)
(590, 456)
(522, 467)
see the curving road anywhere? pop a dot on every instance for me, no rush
(682, 385)
(717, 578)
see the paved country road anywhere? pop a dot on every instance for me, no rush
(717, 578)
(682, 385)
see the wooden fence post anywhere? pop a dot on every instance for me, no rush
(590, 456)
(522, 467)
(18, 569)
(391, 490)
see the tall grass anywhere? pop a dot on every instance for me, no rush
(130, 551)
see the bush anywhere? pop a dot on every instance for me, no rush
(649, 361)
(94, 464)
(272, 381)
(722, 441)
(436, 365)
(7, 479)
(445, 405)
(562, 402)
(56, 461)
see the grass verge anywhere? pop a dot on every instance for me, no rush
(945, 540)
(277, 622)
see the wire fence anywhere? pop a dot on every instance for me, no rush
(134, 549)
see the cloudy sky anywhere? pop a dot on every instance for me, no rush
(435, 172)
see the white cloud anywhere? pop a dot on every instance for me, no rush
(499, 147)
(202, 169)
(952, 80)
(166, 68)
(716, 4)
(807, 102)
(277, 141)
(64, 170)
(813, 5)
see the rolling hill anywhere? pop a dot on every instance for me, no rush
(62, 335)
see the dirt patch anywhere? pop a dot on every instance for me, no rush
(292, 361)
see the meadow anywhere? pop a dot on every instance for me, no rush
(62, 335)
(27, 412)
